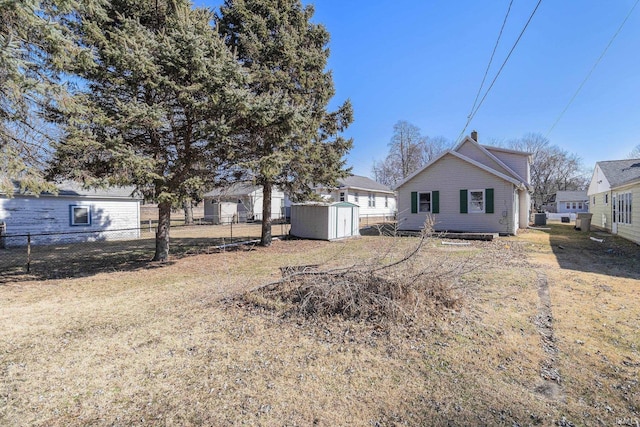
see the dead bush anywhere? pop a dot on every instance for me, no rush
(402, 290)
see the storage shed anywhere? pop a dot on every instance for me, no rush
(324, 221)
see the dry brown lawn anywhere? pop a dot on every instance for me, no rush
(175, 345)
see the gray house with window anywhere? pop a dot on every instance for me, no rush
(74, 214)
(471, 188)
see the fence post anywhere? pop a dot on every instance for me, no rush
(3, 232)
(149, 226)
(28, 252)
(231, 232)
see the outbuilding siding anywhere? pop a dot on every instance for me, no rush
(51, 214)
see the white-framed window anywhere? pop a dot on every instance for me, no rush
(386, 201)
(579, 205)
(594, 200)
(476, 201)
(356, 197)
(568, 205)
(424, 202)
(573, 205)
(606, 198)
(342, 196)
(372, 200)
(622, 208)
(80, 215)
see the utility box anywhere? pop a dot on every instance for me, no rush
(324, 221)
(540, 219)
(583, 221)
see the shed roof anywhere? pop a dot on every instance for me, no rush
(571, 196)
(620, 171)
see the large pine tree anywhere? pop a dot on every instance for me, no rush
(293, 142)
(160, 99)
(35, 44)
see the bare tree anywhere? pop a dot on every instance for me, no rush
(553, 169)
(408, 151)
(635, 153)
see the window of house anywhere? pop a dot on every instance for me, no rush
(579, 205)
(372, 200)
(80, 215)
(594, 200)
(356, 197)
(606, 198)
(424, 202)
(568, 205)
(342, 196)
(573, 205)
(476, 201)
(622, 208)
(386, 201)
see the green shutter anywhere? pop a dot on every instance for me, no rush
(463, 202)
(414, 202)
(488, 193)
(435, 202)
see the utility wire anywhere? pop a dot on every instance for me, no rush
(486, 72)
(592, 69)
(473, 113)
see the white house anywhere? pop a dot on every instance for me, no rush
(471, 188)
(373, 198)
(248, 199)
(75, 214)
(571, 202)
(613, 188)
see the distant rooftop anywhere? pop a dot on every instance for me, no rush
(571, 196)
(362, 183)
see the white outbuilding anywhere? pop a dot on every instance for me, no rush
(325, 221)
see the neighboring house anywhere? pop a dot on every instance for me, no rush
(248, 200)
(571, 202)
(614, 187)
(471, 188)
(74, 214)
(373, 198)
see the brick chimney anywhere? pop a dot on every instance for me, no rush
(474, 135)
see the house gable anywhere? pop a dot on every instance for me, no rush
(471, 149)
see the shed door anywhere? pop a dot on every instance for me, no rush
(343, 215)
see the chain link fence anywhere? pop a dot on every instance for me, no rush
(72, 254)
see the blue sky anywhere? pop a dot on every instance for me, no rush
(423, 62)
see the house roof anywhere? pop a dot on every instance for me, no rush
(515, 179)
(76, 189)
(571, 196)
(362, 183)
(620, 172)
(235, 189)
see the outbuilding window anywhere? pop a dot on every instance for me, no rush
(80, 215)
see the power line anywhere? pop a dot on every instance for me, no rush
(592, 69)
(473, 113)
(486, 72)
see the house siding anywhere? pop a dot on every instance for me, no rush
(473, 152)
(601, 217)
(448, 176)
(517, 162)
(47, 214)
(363, 201)
(631, 231)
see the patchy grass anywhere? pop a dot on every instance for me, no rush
(173, 346)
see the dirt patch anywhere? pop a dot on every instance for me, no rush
(551, 387)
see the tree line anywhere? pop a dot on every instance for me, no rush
(552, 168)
(170, 98)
